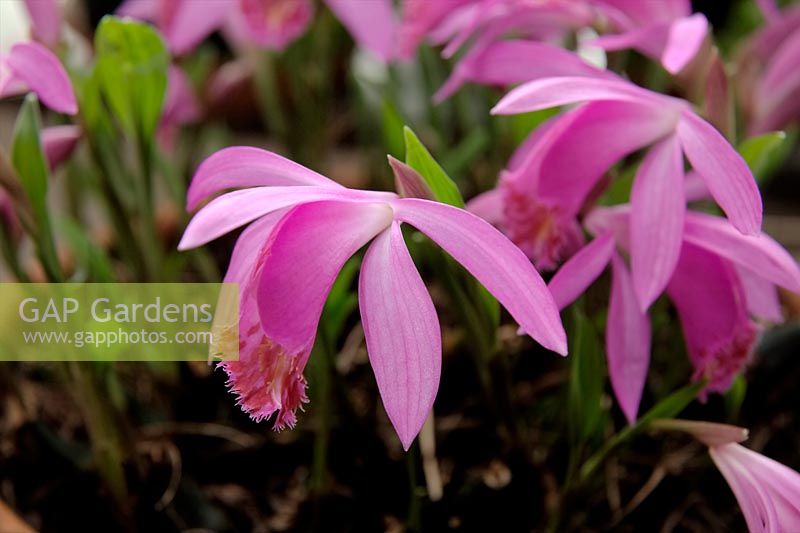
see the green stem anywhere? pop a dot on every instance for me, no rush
(268, 93)
(323, 368)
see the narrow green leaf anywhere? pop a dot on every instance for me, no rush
(28, 159)
(92, 260)
(763, 153)
(132, 64)
(420, 159)
(585, 413)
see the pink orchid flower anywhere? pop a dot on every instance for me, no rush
(452, 23)
(32, 67)
(769, 71)
(664, 30)
(767, 491)
(622, 119)
(721, 279)
(304, 228)
(271, 24)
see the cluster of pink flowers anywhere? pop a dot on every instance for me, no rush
(721, 273)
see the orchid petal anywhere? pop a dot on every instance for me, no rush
(249, 245)
(657, 211)
(42, 72)
(488, 206)
(507, 62)
(756, 505)
(762, 296)
(759, 253)
(725, 172)
(582, 269)
(275, 24)
(686, 36)
(499, 265)
(193, 21)
(245, 166)
(574, 162)
(45, 20)
(59, 142)
(372, 24)
(627, 341)
(402, 333)
(553, 92)
(234, 209)
(307, 250)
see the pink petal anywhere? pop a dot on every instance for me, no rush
(762, 296)
(686, 36)
(769, 8)
(759, 253)
(275, 23)
(599, 135)
(488, 206)
(657, 211)
(140, 9)
(402, 333)
(234, 209)
(499, 265)
(711, 306)
(648, 12)
(507, 62)
(193, 21)
(725, 172)
(627, 341)
(249, 245)
(581, 270)
(372, 24)
(45, 21)
(649, 40)
(781, 483)
(694, 187)
(59, 143)
(244, 166)
(306, 253)
(552, 92)
(42, 72)
(756, 505)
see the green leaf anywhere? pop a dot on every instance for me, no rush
(132, 64)
(28, 159)
(763, 153)
(420, 159)
(95, 265)
(391, 126)
(585, 413)
(669, 407)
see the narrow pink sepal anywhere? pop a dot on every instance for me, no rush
(308, 249)
(657, 211)
(191, 21)
(402, 333)
(581, 270)
(627, 341)
(275, 24)
(494, 260)
(231, 210)
(725, 172)
(39, 69)
(245, 166)
(552, 92)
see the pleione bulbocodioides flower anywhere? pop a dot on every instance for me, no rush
(303, 228)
